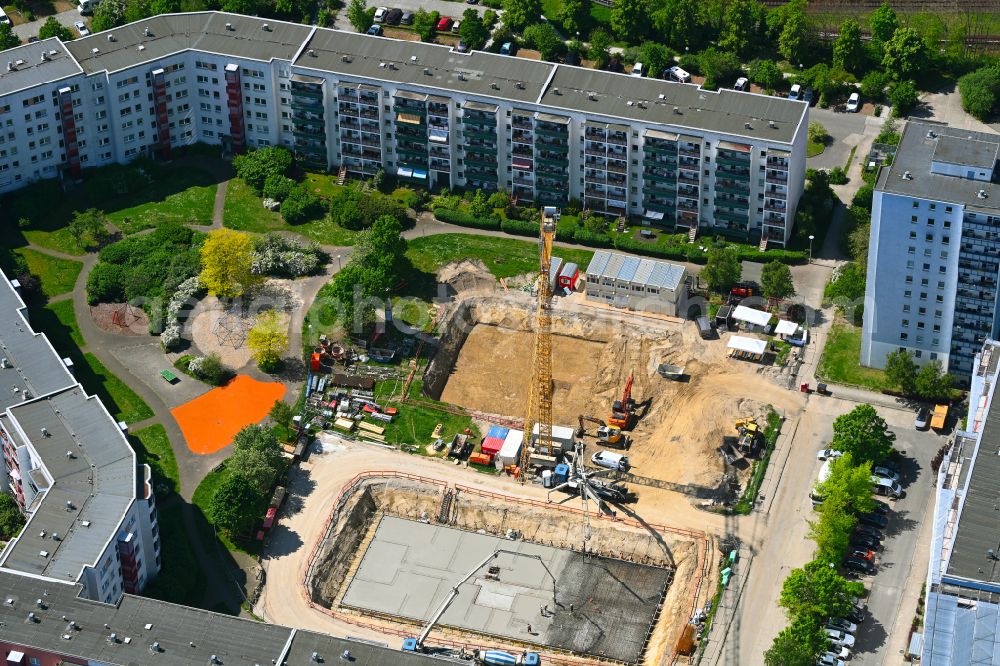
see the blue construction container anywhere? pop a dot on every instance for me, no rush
(561, 473)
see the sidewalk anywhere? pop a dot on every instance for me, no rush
(718, 633)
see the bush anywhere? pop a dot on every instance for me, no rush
(210, 369)
(979, 91)
(278, 187)
(519, 227)
(301, 205)
(903, 98)
(353, 209)
(465, 220)
(873, 85)
(278, 255)
(256, 166)
(838, 176)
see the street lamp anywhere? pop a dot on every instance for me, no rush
(338, 262)
(811, 237)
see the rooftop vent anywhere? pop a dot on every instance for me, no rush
(413, 58)
(381, 64)
(66, 637)
(32, 617)
(113, 638)
(10, 65)
(494, 86)
(641, 104)
(111, 37)
(981, 194)
(70, 454)
(45, 56)
(344, 58)
(55, 536)
(677, 110)
(52, 53)
(155, 647)
(265, 28)
(146, 32)
(95, 50)
(519, 85)
(40, 603)
(427, 71)
(45, 431)
(140, 48)
(214, 659)
(592, 96)
(931, 134)
(229, 26)
(312, 53)
(42, 534)
(69, 505)
(9, 601)
(461, 76)
(555, 91)
(43, 553)
(772, 124)
(629, 103)
(907, 175)
(85, 523)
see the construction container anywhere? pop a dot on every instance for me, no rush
(569, 276)
(494, 440)
(547, 477)
(314, 362)
(561, 474)
(480, 458)
(510, 452)
(555, 268)
(562, 440)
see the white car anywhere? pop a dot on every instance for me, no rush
(81, 27)
(854, 103)
(380, 14)
(679, 75)
(611, 460)
(828, 453)
(843, 624)
(840, 639)
(829, 659)
(741, 84)
(885, 473)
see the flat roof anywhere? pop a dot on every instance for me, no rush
(95, 485)
(966, 152)
(409, 568)
(977, 527)
(34, 70)
(916, 152)
(650, 272)
(196, 31)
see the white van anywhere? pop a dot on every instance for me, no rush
(3, 17)
(795, 92)
(637, 69)
(742, 84)
(679, 75)
(611, 460)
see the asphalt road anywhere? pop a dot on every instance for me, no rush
(847, 131)
(67, 18)
(443, 7)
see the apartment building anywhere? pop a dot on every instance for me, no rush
(675, 155)
(933, 254)
(90, 507)
(963, 572)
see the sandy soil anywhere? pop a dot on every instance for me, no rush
(133, 321)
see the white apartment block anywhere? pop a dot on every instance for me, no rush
(933, 263)
(90, 507)
(678, 156)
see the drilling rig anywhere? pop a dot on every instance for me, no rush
(540, 383)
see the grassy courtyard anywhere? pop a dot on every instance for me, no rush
(839, 363)
(504, 257)
(181, 196)
(153, 448)
(58, 276)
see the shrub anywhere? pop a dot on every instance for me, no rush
(838, 176)
(275, 254)
(465, 220)
(519, 227)
(210, 369)
(301, 205)
(353, 209)
(256, 166)
(278, 187)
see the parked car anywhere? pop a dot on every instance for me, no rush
(393, 16)
(456, 26)
(742, 83)
(859, 565)
(840, 638)
(843, 624)
(807, 95)
(380, 14)
(863, 554)
(858, 613)
(881, 507)
(828, 453)
(889, 465)
(795, 92)
(816, 499)
(885, 473)
(81, 28)
(472, 2)
(444, 24)
(854, 103)
(923, 420)
(462, 47)
(873, 532)
(5, 19)
(887, 488)
(637, 69)
(375, 31)
(508, 48)
(874, 520)
(677, 74)
(406, 18)
(611, 460)
(865, 542)
(829, 659)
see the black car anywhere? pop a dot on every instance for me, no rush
(393, 16)
(873, 532)
(889, 465)
(857, 614)
(859, 565)
(881, 508)
(873, 520)
(865, 541)
(406, 18)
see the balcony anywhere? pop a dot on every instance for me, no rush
(349, 111)
(411, 150)
(666, 190)
(687, 205)
(660, 149)
(777, 208)
(733, 161)
(480, 160)
(690, 152)
(687, 163)
(554, 160)
(660, 176)
(522, 123)
(522, 151)
(689, 180)
(659, 206)
(733, 217)
(733, 174)
(743, 204)
(555, 146)
(776, 177)
(438, 109)
(521, 137)
(299, 103)
(777, 163)
(476, 132)
(553, 131)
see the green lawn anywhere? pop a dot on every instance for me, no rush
(58, 322)
(202, 500)
(57, 276)
(123, 403)
(181, 196)
(323, 184)
(153, 448)
(840, 363)
(245, 212)
(414, 424)
(181, 579)
(814, 148)
(504, 257)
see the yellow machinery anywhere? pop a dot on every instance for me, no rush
(749, 432)
(605, 434)
(540, 386)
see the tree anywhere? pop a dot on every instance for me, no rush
(720, 68)
(979, 91)
(873, 85)
(301, 205)
(281, 413)
(656, 57)
(108, 14)
(903, 98)
(796, 38)
(741, 26)
(544, 38)
(236, 505)
(776, 280)
(257, 457)
(817, 132)
(883, 24)
(765, 74)
(473, 31)
(136, 10)
(268, 340)
(248, 7)
(817, 591)
(848, 51)
(519, 14)
(278, 187)
(8, 39)
(629, 19)
(798, 644)
(358, 15)
(479, 207)
(862, 433)
(849, 485)
(89, 228)
(723, 269)
(227, 265)
(425, 24)
(258, 165)
(53, 28)
(677, 23)
(600, 48)
(905, 55)
(11, 518)
(574, 15)
(932, 383)
(859, 237)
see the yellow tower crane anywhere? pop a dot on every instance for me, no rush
(540, 383)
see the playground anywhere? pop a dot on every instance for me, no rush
(210, 421)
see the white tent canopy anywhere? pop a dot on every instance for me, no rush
(748, 345)
(786, 327)
(755, 317)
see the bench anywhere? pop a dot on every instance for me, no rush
(169, 376)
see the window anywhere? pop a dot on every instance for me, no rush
(909, 264)
(945, 240)
(930, 221)
(917, 353)
(929, 238)
(927, 267)
(903, 336)
(906, 307)
(923, 295)
(913, 235)
(905, 322)
(907, 294)
(909, 279)
(937, 328)
(911, 250)
(922, 311)
(947, 209)
(916, 204)
(131, 81)
(920, 325)
(939, 298)
(933, 206)
(924, 282)
(944, 254)
(942, 270)
(913, 219)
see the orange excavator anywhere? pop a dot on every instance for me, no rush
(623, 411)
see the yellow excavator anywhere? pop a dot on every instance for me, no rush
(749, 431)
(608, 435)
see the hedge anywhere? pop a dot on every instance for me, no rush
(519, 227)
(465, 220)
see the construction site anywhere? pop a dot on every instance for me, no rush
(539, 577)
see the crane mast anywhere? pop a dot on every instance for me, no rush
(540, 384)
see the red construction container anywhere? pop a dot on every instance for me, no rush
(481, 459)
(314, 362)
(492, 445)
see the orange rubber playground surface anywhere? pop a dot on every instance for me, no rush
(210, 422)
